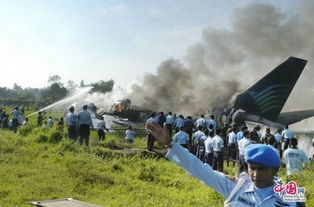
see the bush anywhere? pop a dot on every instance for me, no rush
(25, 130)
(55, 137)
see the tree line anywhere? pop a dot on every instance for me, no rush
(55, 91)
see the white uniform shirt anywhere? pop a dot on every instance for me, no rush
(169, 119)
(232, 138)
(129, 134)
(50, 122)
(181, 137)
(278, 137)
(211, 122)
(16, 114)
(287, 134)
(218, 143)
(244, 197)
(84, 117)
(180, 122)
(101, 125)
(295, 160)
(200, 122)
(197, 136)
(242, 144)
(208, 145)
(71, 119)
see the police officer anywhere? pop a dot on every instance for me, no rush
(71, 119)
(252, 188)
(85, 123)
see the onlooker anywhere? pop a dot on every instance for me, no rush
(294, 158)
(16, 116)
(85, 123)
(40, 119)
(101, 127)
(218, 145)
(50, 122)
(71, 119)
(129, 135)
(287, 134)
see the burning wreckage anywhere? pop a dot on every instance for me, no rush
(261, 103)
(122, 113)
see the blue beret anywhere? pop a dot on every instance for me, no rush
(261, 154)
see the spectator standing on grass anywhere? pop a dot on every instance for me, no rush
(101, 127)
(252, 188)
(60, 124)
(196, 139)
(218, 145)
(170, 122)
(182, 138)
(71, 120)
(129, 135)
(40, 119)
(150, 137)
(50, 122)
(242, 144)
(294, 158)
(85, 123)
(16, 116)
(287, 134)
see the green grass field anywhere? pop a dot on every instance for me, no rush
(42, 164)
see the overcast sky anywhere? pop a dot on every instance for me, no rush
(94, 40)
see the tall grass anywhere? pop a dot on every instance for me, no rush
(42, 164)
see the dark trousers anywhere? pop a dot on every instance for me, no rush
(209, 158)
(101, 134)
(84, 134)
(242, 164)
(232, 151)
(15, 124)
(218, 161)
(169, 127)
(150, 142)
(72, 132)
(287, 143)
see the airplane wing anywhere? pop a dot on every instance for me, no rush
(288, 118)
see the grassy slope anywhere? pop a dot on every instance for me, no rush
(35, 168)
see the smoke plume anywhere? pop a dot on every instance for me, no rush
(228, 60)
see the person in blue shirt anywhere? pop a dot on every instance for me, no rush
(251, 188)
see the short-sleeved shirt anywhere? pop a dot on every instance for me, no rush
(294, 159)
(218, 143)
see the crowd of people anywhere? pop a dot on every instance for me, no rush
(259, 157)
(212, 145)
(78, 124)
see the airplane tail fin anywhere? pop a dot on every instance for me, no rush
(267, 97)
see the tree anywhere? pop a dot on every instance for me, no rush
(55, 79)
(102, 86)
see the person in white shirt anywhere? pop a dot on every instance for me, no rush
(71, 120)
(129, 135)
(150, 138)
(242, 144)
(209, 152)
(200, 122)
(278, 138)
(232, 147)
(101, 127)
(196, 139)
(85, 123)
(16, 116)
(252, 188)
(287, 134)
(218, 145)
(170, 122)
(294, 158)
(182, 138)
(50, 122)
(211, 121)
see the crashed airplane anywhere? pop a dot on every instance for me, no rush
(262, 102)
